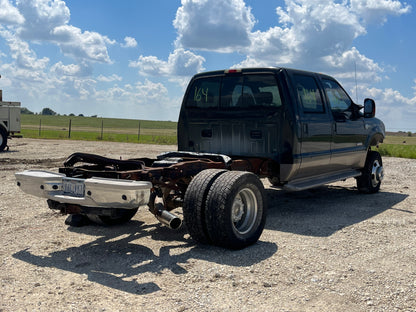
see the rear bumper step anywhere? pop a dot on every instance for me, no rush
(92, 192)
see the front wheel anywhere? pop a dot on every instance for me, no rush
(235, 210)
(372, 174)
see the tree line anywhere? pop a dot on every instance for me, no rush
(47, 112)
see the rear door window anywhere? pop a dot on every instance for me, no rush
(308, 94)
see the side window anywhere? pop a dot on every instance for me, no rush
(337, 97)
(308, 94)
(204, 93)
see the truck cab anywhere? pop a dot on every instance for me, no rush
(305, 122)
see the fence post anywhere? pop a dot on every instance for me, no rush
(138, 133)
(102, 126)
(40, 125)
(69, 132)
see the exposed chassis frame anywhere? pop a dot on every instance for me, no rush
(170, 174)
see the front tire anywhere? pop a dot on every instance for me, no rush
(372, 174)
(236, 210)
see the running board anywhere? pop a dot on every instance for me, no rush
(307, 183)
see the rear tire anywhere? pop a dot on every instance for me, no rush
(3, 139)
(372, 174)
(236, 210)
(194, 204)
(124, 216)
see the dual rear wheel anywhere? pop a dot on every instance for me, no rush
(225, 208)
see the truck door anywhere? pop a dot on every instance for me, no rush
(349, 133)
(315, 126)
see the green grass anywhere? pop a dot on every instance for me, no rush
(398, 146)
(63, 121)
(90, 129)
(397, 150)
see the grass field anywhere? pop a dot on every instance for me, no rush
(93, 129)
(151, 132)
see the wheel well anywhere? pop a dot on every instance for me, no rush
(376, 139)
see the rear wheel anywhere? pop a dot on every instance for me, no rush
(236, 210)
(372, 174)
(194, 203)
(123, 216)
(3, 139)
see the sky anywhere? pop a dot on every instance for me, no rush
(133, 59)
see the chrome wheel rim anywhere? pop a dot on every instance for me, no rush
(244, 211)
(377, 173)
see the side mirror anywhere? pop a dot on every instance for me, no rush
(369, 108)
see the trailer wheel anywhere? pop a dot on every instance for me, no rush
(372, 174)
(3, 139)
(194, 203)
(124, 215)
(236, 210)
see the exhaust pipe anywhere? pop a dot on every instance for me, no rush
(168, 219)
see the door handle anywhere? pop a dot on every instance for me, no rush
(305, 128)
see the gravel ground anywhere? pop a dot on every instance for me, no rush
(326, 249)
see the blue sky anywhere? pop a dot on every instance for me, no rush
(133, 59)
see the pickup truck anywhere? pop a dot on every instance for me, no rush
(298, 129)
(9, 120)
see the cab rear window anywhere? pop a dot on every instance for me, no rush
(234, 92)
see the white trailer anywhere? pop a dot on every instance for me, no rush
(9, 121)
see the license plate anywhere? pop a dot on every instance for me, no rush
(73, 187)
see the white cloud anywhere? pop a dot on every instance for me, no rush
(89, 46)
(10, 15)
(24, 57)
(216, 25)
(76, 70)
(41, 17)
(111, 78)
(398, 112)
(311, 30)
(129, 42)
(351, 65)
(376, 11)
(319, 34)
(180, 63)
(48, 20)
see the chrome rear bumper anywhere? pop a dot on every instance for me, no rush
(92, 192)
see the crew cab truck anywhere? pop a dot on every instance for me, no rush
(298, 129)
(9, 120)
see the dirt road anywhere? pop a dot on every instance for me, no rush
(326, 249)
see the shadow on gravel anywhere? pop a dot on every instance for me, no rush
(116, 258)
(323, 211)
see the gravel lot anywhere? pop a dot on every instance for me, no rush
(326, 249)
